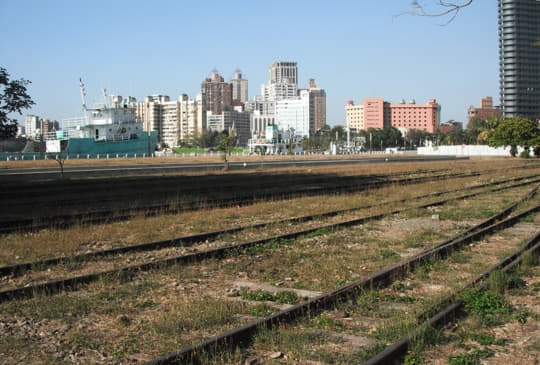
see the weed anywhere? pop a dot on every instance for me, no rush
(413, 359)
(318, 232)
(459, 257)
(325, 322)
(530, 260)
(527, 219)
(428, 336)
(261, 310)
(149, 303)
(387, 254)
(486, 213)
(522, 314)
(487, 339)
(257, 295)
(471, 358)
(488, 306)
(286, 297)
(499, 281)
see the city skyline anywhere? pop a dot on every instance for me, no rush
(352, 50)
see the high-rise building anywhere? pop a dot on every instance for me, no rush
(217, 93)
(150, 112)
(239, 87)
(295, 114)
(192, 117)
(318, 100)
(31, 124)
(519, 58)
(283, 73)
(170, 123)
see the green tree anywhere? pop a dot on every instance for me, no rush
(13, 99)
(475, 127)
(225, 144)
(515, 132)
(338, 131)
(455, 137)
(205, 139)
(417, 137)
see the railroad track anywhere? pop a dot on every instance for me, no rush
(19, 269)
(90, 217)
(147, 293)
(74, 282)
(376, 285)
(452, 308)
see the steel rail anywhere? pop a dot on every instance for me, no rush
(18, 269)
(452, 307)
(243, 335)
(72, 283)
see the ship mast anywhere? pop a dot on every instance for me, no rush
(83, 97)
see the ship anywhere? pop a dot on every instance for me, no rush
(108, 129)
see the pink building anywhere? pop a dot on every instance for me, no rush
(415, 116)
(379, 114)
(373, 113)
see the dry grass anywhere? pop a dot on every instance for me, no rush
(173, 307)
(51, 242)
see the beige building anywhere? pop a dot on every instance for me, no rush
(170, 123)
(192, 118)
(173, 120)
(354, 116)
(239, 87)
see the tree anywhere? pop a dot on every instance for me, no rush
(205, 139)
(444, 9)
(225, 144)
(515, 132)
(13, 99)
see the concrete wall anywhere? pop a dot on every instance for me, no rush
(467, 150)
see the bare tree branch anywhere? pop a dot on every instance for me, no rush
(448, 9)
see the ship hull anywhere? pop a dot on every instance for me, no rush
(143, 145)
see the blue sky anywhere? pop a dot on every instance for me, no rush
(353, 49)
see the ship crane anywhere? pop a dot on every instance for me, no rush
(83, 97)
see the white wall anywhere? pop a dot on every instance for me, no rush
(467, 150)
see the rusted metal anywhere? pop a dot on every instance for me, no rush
(316, 305)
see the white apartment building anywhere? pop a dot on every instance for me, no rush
(173, 120)
(260, 121)
(31, 125)
(354, 115)
(280, 91)
(295, 114)
(192, 116)
(170, 124)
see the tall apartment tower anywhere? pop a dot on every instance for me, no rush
(239, 87)
(283, 72)
(217, 93)
(519, 58)
(31, 124)
(318, 101)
